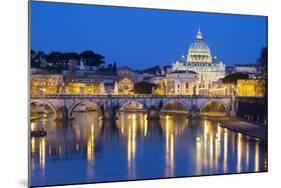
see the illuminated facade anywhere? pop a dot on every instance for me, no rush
(125, 86)
(249, 88)
(199, 59)
(83, 86)
(218, 88)
(42, 84)
(182, 83)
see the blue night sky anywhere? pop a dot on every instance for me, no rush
(143, 38)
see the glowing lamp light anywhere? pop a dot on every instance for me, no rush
(198, 139)
(32, 126)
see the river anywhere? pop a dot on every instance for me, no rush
(87, 150)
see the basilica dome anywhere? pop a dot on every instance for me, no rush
(199, 52)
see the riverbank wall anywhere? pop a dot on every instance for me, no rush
(252, 109)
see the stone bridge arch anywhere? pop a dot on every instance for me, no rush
(223, 103)
(181, 102)
(125, 103)
(47, 103)
(121, 105)
(78, 103)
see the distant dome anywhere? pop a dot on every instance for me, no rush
(199, 52)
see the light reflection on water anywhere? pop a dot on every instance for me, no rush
(89, 150)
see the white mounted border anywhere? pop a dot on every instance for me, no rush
(14, 91)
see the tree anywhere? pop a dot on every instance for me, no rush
(114, 68)
(232, 78)
(61, 60)
(33, 61)
(98, 59)
(55, 57)
(71, 56)
(35, 58)
(161, 87)
(32, 53)
(91, 58)
(144, 87)
(88, 54)
(263, 62)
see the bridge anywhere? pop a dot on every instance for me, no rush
(63, 105)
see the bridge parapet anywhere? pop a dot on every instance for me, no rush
(84, 96)
(194, 104)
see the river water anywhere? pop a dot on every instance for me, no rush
(87, 150)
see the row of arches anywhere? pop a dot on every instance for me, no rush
(209, 108)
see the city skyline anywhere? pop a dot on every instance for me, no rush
(148, 30)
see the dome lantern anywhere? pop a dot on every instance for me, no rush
(199, 35)
(199, 52)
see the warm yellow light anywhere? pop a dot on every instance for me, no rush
(32, 126)
(198, 157)
(32, 145)
(145, 125)
(219, 133)
(198, 138)
(247, 155)
(239, 152)
(211, 149)
(257, 149)
(42, 153)
(225, 150)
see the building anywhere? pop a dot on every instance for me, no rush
(245, 68)
(133, 75)
(125, 71)
(86, 78)
(156, 70)
(252, 70)
(182, 83)
(199, 60)
(125, 86)
(46, 83)
(249, 88)
(167, 69)
(83, 86)
(228, 70)
(218, 88)
(156, 79)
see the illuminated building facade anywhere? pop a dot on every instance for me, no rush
(83, 86)
(42, 84)
(182, 83)
(249, 88)
(218, 88)
(199, 59)
(125, 86)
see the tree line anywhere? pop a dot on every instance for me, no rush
(60, 60)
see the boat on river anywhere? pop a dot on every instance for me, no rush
(38, 133)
